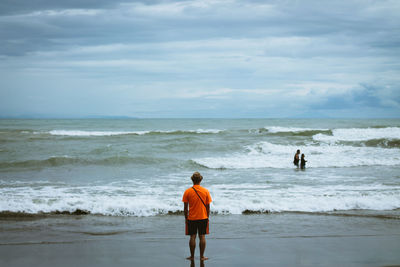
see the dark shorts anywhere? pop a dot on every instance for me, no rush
(198, 226)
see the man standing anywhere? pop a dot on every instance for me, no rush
(197, 201)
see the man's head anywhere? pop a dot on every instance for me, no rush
(298, 151)
(196, 178)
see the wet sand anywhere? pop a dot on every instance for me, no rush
(235, 240)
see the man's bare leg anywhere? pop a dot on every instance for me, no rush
(202, 247)
(192, 246)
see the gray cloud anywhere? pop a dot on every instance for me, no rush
(273, 57)
(13, 7)
(155, 21)
(366, 96)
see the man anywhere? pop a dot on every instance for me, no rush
(296, 158)
(197, 201)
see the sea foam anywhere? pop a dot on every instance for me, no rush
(80, 133)
(359, 134)
(278, 129)
(146, 200)
(268, 155)
(93, 133)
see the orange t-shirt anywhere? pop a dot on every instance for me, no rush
(197, 211)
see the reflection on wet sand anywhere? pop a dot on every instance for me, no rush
(192, 264)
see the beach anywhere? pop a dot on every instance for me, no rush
(236, 240)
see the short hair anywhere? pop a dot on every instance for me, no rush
(298, 150)
(196, 177)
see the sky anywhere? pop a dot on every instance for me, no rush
(200, 58)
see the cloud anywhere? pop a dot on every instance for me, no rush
(239, 57)
(373, 95)
(365, 96)
(13, 7)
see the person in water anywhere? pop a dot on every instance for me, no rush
(303, 162)
(197, 201)
(296, 158)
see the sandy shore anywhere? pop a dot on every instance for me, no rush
(236, 240)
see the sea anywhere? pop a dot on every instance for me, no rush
(141, 167)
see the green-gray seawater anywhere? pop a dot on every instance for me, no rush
(140, 167)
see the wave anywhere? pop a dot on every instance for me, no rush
(384, 143)
(277, 129)
(359, 134)
(15, 131)
(66, 160)
(288, 131)
(150, 200)
(268, 155)
(293, 131)
(91, 133)
(305, 198)
(80, 133)
(336, 135)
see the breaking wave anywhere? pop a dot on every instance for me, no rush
(289, 131)
(292, 131)
(268, 155)
(276, 129)
(337, 135)
(145, 200)
(79, 133)
(385, 143)
(360, 134)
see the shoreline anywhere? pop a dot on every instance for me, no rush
(383, 214)
(289, 239)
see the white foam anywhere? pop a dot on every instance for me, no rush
(151, 199)
(307, 199)
(214, 131)
(111, 133)
(277, 129)
(267, 155)
(106, 200)
(93, 133)
(359, 134)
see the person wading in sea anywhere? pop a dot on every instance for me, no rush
(303, 162)
(296, 158)
(197, 201)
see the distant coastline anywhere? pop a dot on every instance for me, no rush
(27, 117)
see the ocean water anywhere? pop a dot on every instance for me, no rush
(141, 167)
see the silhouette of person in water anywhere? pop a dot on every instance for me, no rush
(296, 158)
(303, 162)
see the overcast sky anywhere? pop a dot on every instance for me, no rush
(211, 58)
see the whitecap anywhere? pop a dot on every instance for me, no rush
(359, 134)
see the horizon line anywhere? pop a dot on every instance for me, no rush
(135, 117)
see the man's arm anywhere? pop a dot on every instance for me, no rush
(208, 210)
(185, 209)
